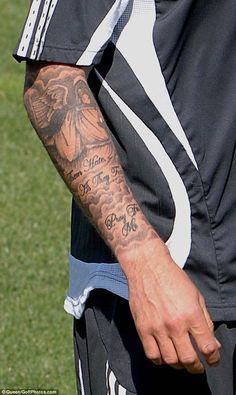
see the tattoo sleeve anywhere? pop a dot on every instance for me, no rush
(68, 121)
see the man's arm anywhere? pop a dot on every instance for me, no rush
(166, 307)
(67, 119)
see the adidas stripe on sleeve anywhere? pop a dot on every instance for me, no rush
(72, 31)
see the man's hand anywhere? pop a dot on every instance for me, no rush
(168, 311)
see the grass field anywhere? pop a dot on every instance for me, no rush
(35, 332)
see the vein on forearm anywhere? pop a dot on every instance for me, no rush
(68, 121)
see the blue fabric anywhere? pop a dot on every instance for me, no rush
(85, 277)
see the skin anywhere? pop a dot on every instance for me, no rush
(167, 308)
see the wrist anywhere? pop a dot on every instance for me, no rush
(151, 252)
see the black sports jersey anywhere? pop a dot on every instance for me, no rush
(164, 77)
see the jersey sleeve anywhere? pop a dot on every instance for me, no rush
(68, 31)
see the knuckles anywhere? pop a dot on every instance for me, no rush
(175, 326)
(170, 327)
(153, 355)
(170, 360)
(188, 360)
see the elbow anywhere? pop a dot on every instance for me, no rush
(27, 100)
(31, 76)
(29, 104)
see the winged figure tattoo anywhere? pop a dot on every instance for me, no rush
(64, 110)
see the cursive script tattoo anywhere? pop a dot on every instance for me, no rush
(132, 209)
(69, 122)
(73, 176)
(128, 220)
(85, 188)
(128, 227)
(100, 178)
(116, 170)
(91, 163)
(113, 219)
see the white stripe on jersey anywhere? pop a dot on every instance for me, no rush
(179, 242)
(121, 390)
(39, 30)
(102, 33)
(112, 383)
(81, 378)
(144, 63)
(28, 29)
(46, 16)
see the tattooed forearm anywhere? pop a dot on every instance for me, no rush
(68, 121)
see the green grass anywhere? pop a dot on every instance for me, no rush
(35, 332)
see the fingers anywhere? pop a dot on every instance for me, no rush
(205, 340)
(167, 355)
(178, 352)
(176, 349)
(152, 350)
(187, 355)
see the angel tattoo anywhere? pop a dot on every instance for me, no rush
(67, 116)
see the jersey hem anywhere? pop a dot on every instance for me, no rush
(58, 55)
